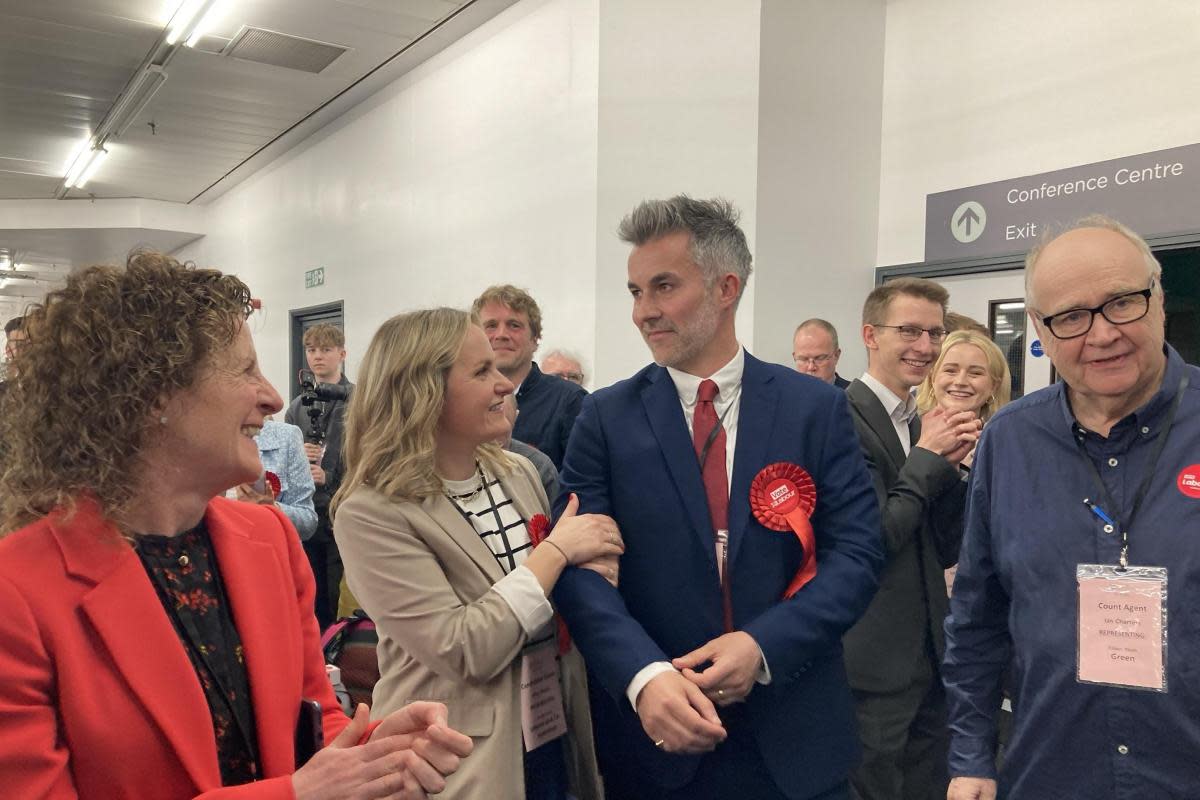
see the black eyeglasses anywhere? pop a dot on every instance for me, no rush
(1120, 310)
(910, 333)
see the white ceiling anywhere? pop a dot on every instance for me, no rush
(63, 63)
(216, 119)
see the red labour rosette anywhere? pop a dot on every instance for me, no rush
(273, 483)
(538, 526)
(782, 497)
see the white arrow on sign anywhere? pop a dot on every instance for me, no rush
(968, 221)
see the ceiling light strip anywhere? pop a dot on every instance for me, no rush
(189, 18)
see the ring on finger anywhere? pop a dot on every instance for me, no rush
(720, 692)
(659, 743)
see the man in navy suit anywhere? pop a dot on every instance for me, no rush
(716, 686)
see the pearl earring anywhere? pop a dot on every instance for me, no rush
(162, 420)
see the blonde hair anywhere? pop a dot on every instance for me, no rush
(392, 419)
(997, 371)
(324, 334)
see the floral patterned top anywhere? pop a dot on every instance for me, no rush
(183, 570)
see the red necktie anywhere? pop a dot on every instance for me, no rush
(716, 481)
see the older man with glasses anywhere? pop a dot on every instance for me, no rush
(1084, 502)
(815, 351)
(892, 653)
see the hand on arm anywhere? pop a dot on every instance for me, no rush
(675, 712)
(588, 540)
(734, 660)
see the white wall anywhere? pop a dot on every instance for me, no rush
(818, 174)
(678, 113)
(977, 92)
(513, 154)
(478, 167)
(510, 157)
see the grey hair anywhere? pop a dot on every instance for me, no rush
(1091, 221)
(817, 322)
(570, 355)
(718, 245)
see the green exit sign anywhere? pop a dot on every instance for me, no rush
(314, 277)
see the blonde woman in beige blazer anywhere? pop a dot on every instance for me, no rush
(458, 609)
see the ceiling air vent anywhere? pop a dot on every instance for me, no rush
(281, 50)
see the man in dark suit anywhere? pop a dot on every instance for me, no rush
(893, 653)
(815, 351)
(716, 685)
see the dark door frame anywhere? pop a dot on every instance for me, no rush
(300, 319)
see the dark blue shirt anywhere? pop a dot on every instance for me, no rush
(548, 406)
(1015, 595)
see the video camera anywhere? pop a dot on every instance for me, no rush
(311, 392)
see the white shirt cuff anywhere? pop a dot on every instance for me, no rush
(644, 676)
(764, 672)
(524, 595)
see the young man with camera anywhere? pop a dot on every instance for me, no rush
(319, 411)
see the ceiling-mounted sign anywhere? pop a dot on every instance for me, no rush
(1153, 193)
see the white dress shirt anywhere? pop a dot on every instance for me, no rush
(901, 410)
(727, 404)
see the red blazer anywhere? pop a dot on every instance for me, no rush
(97, 696)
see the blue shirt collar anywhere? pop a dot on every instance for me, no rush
(1150, 412)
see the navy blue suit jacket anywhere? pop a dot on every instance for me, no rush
(630, 456)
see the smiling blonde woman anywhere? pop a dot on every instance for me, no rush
(970, 374)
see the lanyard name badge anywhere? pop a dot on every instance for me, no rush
(543, 715)
(1123, 609)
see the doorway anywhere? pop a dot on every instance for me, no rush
(301, 320)
(997, 301)
(1181, 285)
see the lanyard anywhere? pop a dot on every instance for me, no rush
(712, 435)
(1159, 444)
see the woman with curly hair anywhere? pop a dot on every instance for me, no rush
(437, 527)
(157, 640)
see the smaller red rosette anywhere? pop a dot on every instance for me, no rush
(272, 481)
(537, 527)
(782, 498)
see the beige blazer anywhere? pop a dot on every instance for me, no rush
(425, 577)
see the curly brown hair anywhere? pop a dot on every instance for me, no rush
(104, 353)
